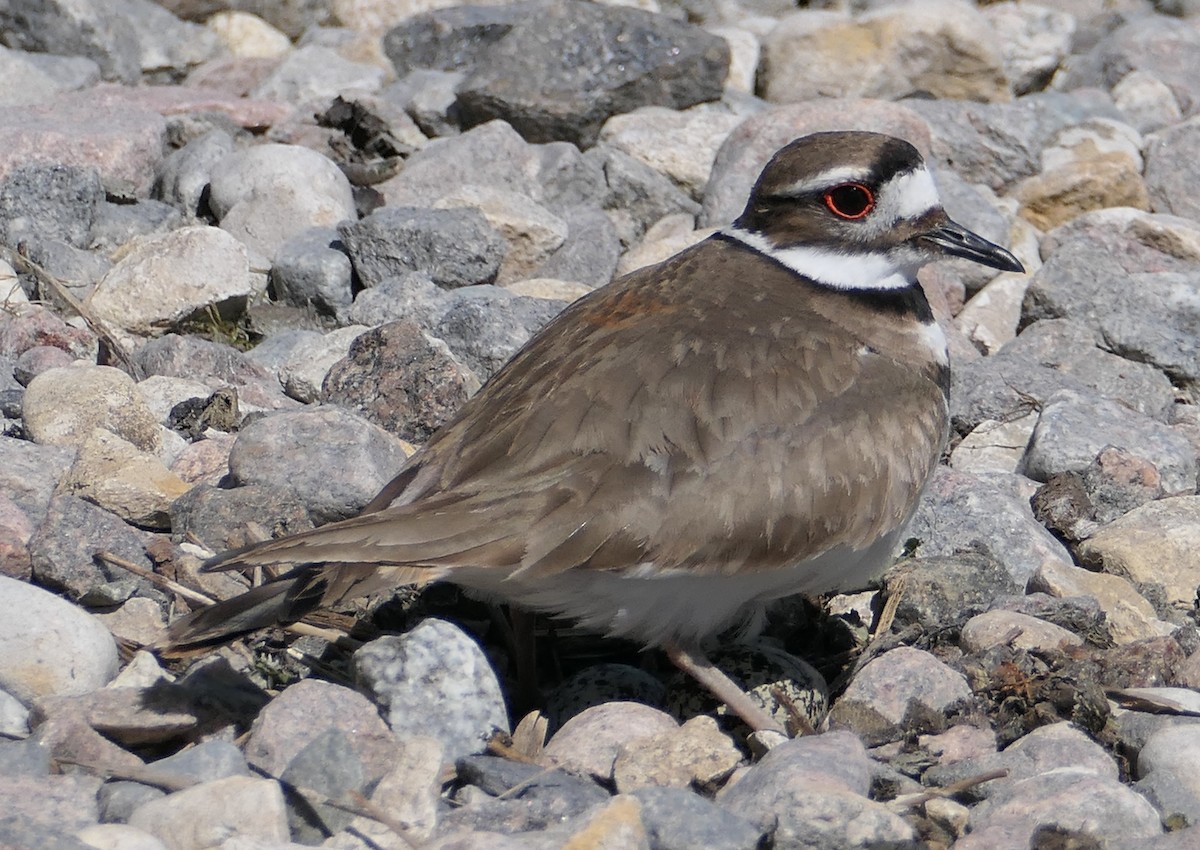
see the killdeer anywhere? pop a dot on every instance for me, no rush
(752, 418)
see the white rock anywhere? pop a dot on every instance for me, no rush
(318, 73)
(249, 36)
(533, 232)
(994, 446)
(118, 836)
(1146, 101)
(163, 392)
(207, 814)
(14, 717)
(1091, 139)
(62, 407)
(267, 194)
(1033, 40)
(680, 144)
(166, 278)
(11, 293)
(49, 647)
(744, 52)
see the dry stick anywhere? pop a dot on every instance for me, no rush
(23, 264)
(910, 801)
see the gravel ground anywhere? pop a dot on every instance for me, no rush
(223, 225)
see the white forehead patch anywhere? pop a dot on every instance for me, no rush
(837, 270)
(908, 196)
(828, 179)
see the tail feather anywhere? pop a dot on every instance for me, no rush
(284, 600)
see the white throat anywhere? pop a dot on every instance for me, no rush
(835, 269)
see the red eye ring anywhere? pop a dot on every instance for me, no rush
(850, 201)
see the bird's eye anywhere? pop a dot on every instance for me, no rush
(850, 201)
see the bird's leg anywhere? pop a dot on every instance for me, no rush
(695, 664)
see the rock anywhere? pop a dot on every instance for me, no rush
(49, 647)
(1145, 101)
(455, 247)
(549, 288)
(994, 446)
(988, 514)
(304, 372)
(899, 691)
(215, 364)
(15, 530)
(615, 824)
(211, 812)
(49, 202)
(680, 820)
(680, 144)
(698, 752)
(944, 48)
(314, 72)
(329, 766)
(412, 403)
(484, 325)
(1058, 195)
(118, 836)
(588, 255)
(31, 326)
(48, 808)
(1130, 617)
(138, 621)
(1073, 428)
(833, 761)
(841, 819)
(1033, 41)
(38, 359)
(165, 279)
(63, 550)
(63, 406)
(532, 232)
(219, 518)
(589, 741)
(125, 145)
(1131, 298)
(637, 195)
(992, 628)
(1164, 776)
(1152, 545)
(346, 459)
(117, 224)
(310, 269)
(29, 474)
(1117, 481)
(184, 175)
(435, 664)
(115, 475)
(246, 35)
(532, 74)
(940, 592)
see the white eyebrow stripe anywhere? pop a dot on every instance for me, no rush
(834, 269)
(909, 195)
(828, 179)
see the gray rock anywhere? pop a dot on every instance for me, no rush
(311, 268)
(827, 763)
(1164, 776)
(452, 39)
(1072, 800)
(496, 776)
(678, 819)
(997, 143)
(1120, 275)
(591, 251)
(547, 798)
(49, 647)
(985, 513)
(1146, 102)
(118, 799)
(274, 351)
(412, 402)
(117, 224)
(183, 177)
(49, 202)
(1073, 428)
(213, 363)
(1172, 176)
(38, 359)
(45, 811)
(63, 548)
(346, 459)
(292, 17)
(305, 712)
(305, 371)
(898, 693)
(22, 758)
(637, 195)
(430, 96)
(205, 761)
(328, 765)
(833, 820)
(485, 325)
(29, 473)
(313, 72)
(565, 67)
(1155, 44)
(79, 270)
(219, 517)
(455, 247)
(434, 681)
(945, 591)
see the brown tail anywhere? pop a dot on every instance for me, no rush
(284, 600)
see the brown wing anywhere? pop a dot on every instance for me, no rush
(659, 421)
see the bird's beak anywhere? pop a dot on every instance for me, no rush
(954, 240)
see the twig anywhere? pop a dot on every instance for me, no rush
(911, 801)
(153, 577)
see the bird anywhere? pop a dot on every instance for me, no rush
(752, 418)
